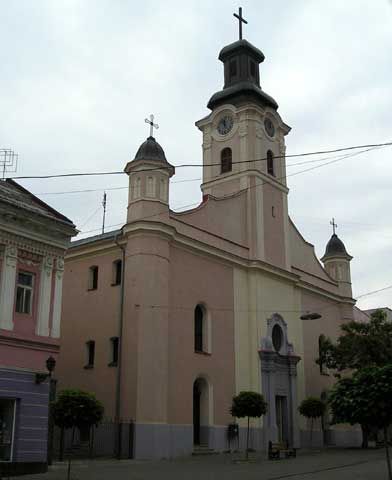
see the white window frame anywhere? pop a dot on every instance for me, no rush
(25, 288)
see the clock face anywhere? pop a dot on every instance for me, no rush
(269, 127)
(225, 124)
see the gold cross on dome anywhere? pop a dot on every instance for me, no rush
(153, 125)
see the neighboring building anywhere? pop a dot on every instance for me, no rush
(33, 240)
(386, 310)
(212, 296)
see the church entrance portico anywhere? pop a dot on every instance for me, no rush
(278, 377)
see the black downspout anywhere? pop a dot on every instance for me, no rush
(119, 362)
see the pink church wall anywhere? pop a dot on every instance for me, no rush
(328, 325)
(89, 315)
(274, 237)
(163, 286)
(199, 280)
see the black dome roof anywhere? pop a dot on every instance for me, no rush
(335, 247)
(151, 150)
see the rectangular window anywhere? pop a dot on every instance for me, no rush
(117, 272)
(24, 293)
(90, 354)
(233, 68)
(93, 278)
(114, 341)
(7, 425)
(252, 69)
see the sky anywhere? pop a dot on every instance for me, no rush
(78, 78)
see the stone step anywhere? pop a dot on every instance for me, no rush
(203, 450)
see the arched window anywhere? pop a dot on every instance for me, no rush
(199, 314)
(226, 160)
(93, 278)
(277, 337)
(270, 163)
(137, 188)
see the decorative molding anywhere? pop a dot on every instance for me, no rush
(7, 287)
(29, 344)
(26, 244)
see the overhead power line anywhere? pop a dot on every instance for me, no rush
(341, 157)
(320, 152)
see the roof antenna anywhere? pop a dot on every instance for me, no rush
(8, 161)
(104, 212)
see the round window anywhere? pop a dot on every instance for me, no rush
(277, 338)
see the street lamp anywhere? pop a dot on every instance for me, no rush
(310, 316)
(50, 366)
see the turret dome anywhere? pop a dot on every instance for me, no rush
(151, 150)
(335, 247)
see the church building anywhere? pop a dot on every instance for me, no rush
(171, 316)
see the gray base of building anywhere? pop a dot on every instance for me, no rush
(15, 469)
(331, 438)
(154, 441)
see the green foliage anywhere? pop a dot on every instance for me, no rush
(312, 407)
(366, 398)
(248, 404)
(361, 344)
(251, 405)
(75, 408)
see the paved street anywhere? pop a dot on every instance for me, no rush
(336, 464)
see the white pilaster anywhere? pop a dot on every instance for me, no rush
(58, 293)
(45, 294)
(7, 288)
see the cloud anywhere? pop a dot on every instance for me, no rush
(79, 77)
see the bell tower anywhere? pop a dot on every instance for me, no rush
(244, 151)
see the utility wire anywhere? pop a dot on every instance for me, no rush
(320, 152)
(198, 179)
(342, 157)
(108, 189)
(374, 291)
(253, 310)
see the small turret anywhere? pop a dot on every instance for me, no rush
(149, 174)
(337, 263)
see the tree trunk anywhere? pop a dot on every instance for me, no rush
(247, 441)
(311, 431)
(387, 453)
(365, 436)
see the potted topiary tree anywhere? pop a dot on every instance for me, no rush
(312, 408)
(76, 409)
(250, 405)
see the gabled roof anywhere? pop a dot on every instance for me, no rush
(12, 193)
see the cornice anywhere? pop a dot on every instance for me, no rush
(29, 344)
(45, 229)
(23, 240)
(200, 248)
(259, 112)
(320, 291)
(246, 173)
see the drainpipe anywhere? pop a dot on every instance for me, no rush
(119, 362)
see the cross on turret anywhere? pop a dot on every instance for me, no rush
(241, 20)
(152, 124)
(334, 226)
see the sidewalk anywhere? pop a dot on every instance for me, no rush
(345, 464)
